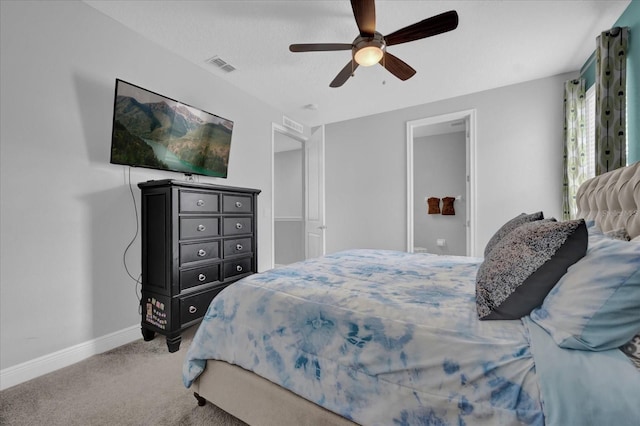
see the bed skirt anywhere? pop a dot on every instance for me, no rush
(257, 401)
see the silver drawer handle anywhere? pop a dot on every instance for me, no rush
(201, 227)
(238, 204)
(192, 309)
(238, 247)
(202, 253)
(200, 203)
(238, 225)
(202, 277)
(239, 268)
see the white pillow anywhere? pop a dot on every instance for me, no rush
(596, 304)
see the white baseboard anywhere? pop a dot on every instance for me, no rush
(20, 373)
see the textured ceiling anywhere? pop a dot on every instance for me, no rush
(497, 43)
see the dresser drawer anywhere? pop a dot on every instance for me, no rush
(237, 246)
(237, 225)
(199, 276)
(196, 252)
(198, 202)
(199, 227)
(194, 307)
(236, 203)
(237, 267)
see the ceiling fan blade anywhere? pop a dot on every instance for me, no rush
(365, 13)
(344, 74)
(438, 24)
(397, 66)
(319, 47)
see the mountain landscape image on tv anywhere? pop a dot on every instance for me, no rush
(151, 130)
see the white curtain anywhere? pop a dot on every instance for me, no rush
(575, 146)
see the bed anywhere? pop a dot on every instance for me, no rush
(380, 337)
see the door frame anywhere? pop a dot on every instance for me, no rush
(317, 192)
(469, 116)
(276, 128)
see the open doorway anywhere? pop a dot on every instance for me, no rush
(288, 197)
(441, 164)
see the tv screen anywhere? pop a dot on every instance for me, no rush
(151, 130)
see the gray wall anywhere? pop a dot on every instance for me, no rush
(519, 164)
(67, 214)
(439, 171)
(289, 242)
(288, 181)
(288, 206)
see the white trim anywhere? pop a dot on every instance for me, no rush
(321, 195)
(470, 117)
(288, 219)
(324, 190)
(471, 182)
(410, 127)
(28, 370)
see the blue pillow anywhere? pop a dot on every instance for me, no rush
(596, 304)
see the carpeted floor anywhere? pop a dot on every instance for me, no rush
(136, 384)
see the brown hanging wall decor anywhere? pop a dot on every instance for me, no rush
(447, 206)
(434, 205)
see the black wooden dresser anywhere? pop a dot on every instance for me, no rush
(196, 240)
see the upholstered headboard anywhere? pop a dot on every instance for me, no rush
(612, 200)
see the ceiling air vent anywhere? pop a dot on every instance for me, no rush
(287, 122)
(221, 63)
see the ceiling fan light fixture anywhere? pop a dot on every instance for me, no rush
(368, 51)
(369, 55)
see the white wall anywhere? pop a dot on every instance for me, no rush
(67, 214)
(440, 171)
(519, 164)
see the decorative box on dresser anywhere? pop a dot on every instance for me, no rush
(196, 240)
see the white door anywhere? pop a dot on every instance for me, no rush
(314, 194)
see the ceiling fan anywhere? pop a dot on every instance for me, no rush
(369, 47)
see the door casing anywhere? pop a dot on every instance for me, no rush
(469, 116)
(314, 208)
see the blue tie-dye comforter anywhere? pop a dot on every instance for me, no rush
(379, 337)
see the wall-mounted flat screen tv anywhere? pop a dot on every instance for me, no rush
(153, 131)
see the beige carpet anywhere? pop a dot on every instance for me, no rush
(136, 384)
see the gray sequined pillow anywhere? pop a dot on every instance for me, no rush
(618, 234)
(510, 226)
(524, 266)
(632, 350)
